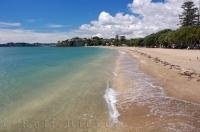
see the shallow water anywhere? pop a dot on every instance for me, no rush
(85, 89)
(144, 106)
(54, 89)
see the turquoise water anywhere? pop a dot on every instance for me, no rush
(60, 84)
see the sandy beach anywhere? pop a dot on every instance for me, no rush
(168, 98)
(177, 70)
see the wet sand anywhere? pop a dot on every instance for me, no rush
(174, 81)
(156, 92)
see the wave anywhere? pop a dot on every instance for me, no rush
(111, 100)
(143, 90)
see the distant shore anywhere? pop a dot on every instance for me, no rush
(27, 45)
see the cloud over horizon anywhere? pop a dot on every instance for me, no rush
(144, 17)
(21, 35)
(9, 24)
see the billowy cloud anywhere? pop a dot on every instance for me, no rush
(145, 17)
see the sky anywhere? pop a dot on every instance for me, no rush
(48, 21)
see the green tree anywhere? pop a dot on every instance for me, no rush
(198, 17)
(186, 37)
(136, 42)
(189, 14)
(150, 41)
(164, 38)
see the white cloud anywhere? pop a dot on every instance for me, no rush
(20, 35)
(109, 26)
(152, 17)
(13, 32)
(9, 24)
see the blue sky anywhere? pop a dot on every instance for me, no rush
(38, 14)
(53, 20)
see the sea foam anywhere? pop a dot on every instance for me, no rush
(110, 97)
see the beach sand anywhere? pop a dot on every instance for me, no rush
(170, 101)
(174, 81)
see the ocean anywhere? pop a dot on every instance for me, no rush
(85, 90)
(56, 89)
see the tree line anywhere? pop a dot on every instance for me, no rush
(187, 36)
(94, 41)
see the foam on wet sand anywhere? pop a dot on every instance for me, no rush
(144, 105)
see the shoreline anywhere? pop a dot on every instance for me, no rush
(141, 95)
(177, 81)
(170, 101)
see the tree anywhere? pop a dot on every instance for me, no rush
(189, 14)
(186, 37)
(198, 17)
(166, 40)
(136, 42)
(97, 41)
(150, 40)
